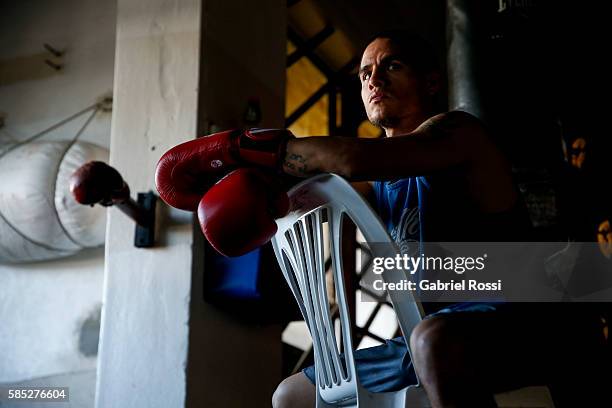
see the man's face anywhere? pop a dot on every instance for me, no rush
(390, 89)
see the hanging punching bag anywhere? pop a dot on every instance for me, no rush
(502, 61)
(503, 68)
(39, 218)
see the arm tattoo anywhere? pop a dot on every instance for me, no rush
(297, 164)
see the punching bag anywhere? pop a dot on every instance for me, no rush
(39, 218)
(503, 62)
(503, 68)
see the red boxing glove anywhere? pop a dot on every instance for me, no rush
(237, 214)
(96, 182)
(185, 172)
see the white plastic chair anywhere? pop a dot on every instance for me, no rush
(299, 248)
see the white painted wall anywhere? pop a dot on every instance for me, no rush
(85, 29)
(43, 305)
(161, 344)
(42, 309)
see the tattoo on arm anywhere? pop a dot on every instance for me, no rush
(298, 164)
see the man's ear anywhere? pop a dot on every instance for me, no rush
(433, 83)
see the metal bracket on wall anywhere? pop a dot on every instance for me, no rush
(144, 236)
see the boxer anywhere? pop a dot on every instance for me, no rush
(439, 177)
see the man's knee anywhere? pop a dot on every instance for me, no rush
(438, 345)
(282, 395)
(433, 338)
(444, 363)
(295, 391)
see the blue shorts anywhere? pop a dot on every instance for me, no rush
(549, 329)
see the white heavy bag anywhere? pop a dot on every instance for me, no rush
(39, 218)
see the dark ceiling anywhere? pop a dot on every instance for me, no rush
(360, 19)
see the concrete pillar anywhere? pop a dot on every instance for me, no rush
(181, 66)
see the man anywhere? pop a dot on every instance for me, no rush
(441, 178)
(464, 353)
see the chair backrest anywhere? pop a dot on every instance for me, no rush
(299, 248)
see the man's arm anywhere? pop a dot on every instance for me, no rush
(441, 142)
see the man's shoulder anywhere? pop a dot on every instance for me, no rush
(464, 131)
(461, 115)
(455, 120)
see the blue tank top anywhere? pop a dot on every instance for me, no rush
(400, 205)
(439, 208)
